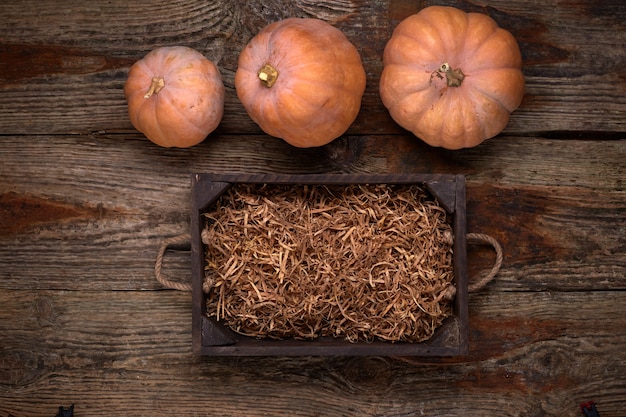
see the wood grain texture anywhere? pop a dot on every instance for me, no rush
(85, 202)
(563, 227)
(539, 357)
(63, 66)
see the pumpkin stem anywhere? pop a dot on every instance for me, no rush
(268, 75)
(455, 77)
(157, 85)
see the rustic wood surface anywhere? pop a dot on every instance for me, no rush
(85, 202)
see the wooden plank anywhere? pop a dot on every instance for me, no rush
(59, 75)
(53, 165)
(68, 215)
(129, 352)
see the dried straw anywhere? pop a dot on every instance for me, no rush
(361, 262)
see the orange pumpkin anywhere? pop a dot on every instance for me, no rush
(301, 80)
(175, 96)
(450, 77)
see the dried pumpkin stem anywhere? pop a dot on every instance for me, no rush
(268, 75)
(157, 85)
(454, 77)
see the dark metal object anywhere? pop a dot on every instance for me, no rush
(66, 413)
(212, 338)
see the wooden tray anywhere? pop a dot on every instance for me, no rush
(210, 337)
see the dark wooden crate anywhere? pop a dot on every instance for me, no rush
(210, 337)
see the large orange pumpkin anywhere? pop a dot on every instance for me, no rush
(450, 77)
(301, 80)
(175, 96)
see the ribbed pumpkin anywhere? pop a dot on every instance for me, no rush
(175, 96)
(301, 80)
(450, 77)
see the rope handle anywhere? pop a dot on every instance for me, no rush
(167, 243)
(472, 238)
(477, 239)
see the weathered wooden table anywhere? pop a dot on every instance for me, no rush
(85, 202)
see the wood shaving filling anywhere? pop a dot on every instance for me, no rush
(360, 262)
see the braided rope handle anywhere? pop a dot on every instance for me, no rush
(472, 238)
(480, 238)
(173, 241)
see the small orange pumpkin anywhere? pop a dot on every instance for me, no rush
(175, 96)
(301, 80)
(450, 77)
